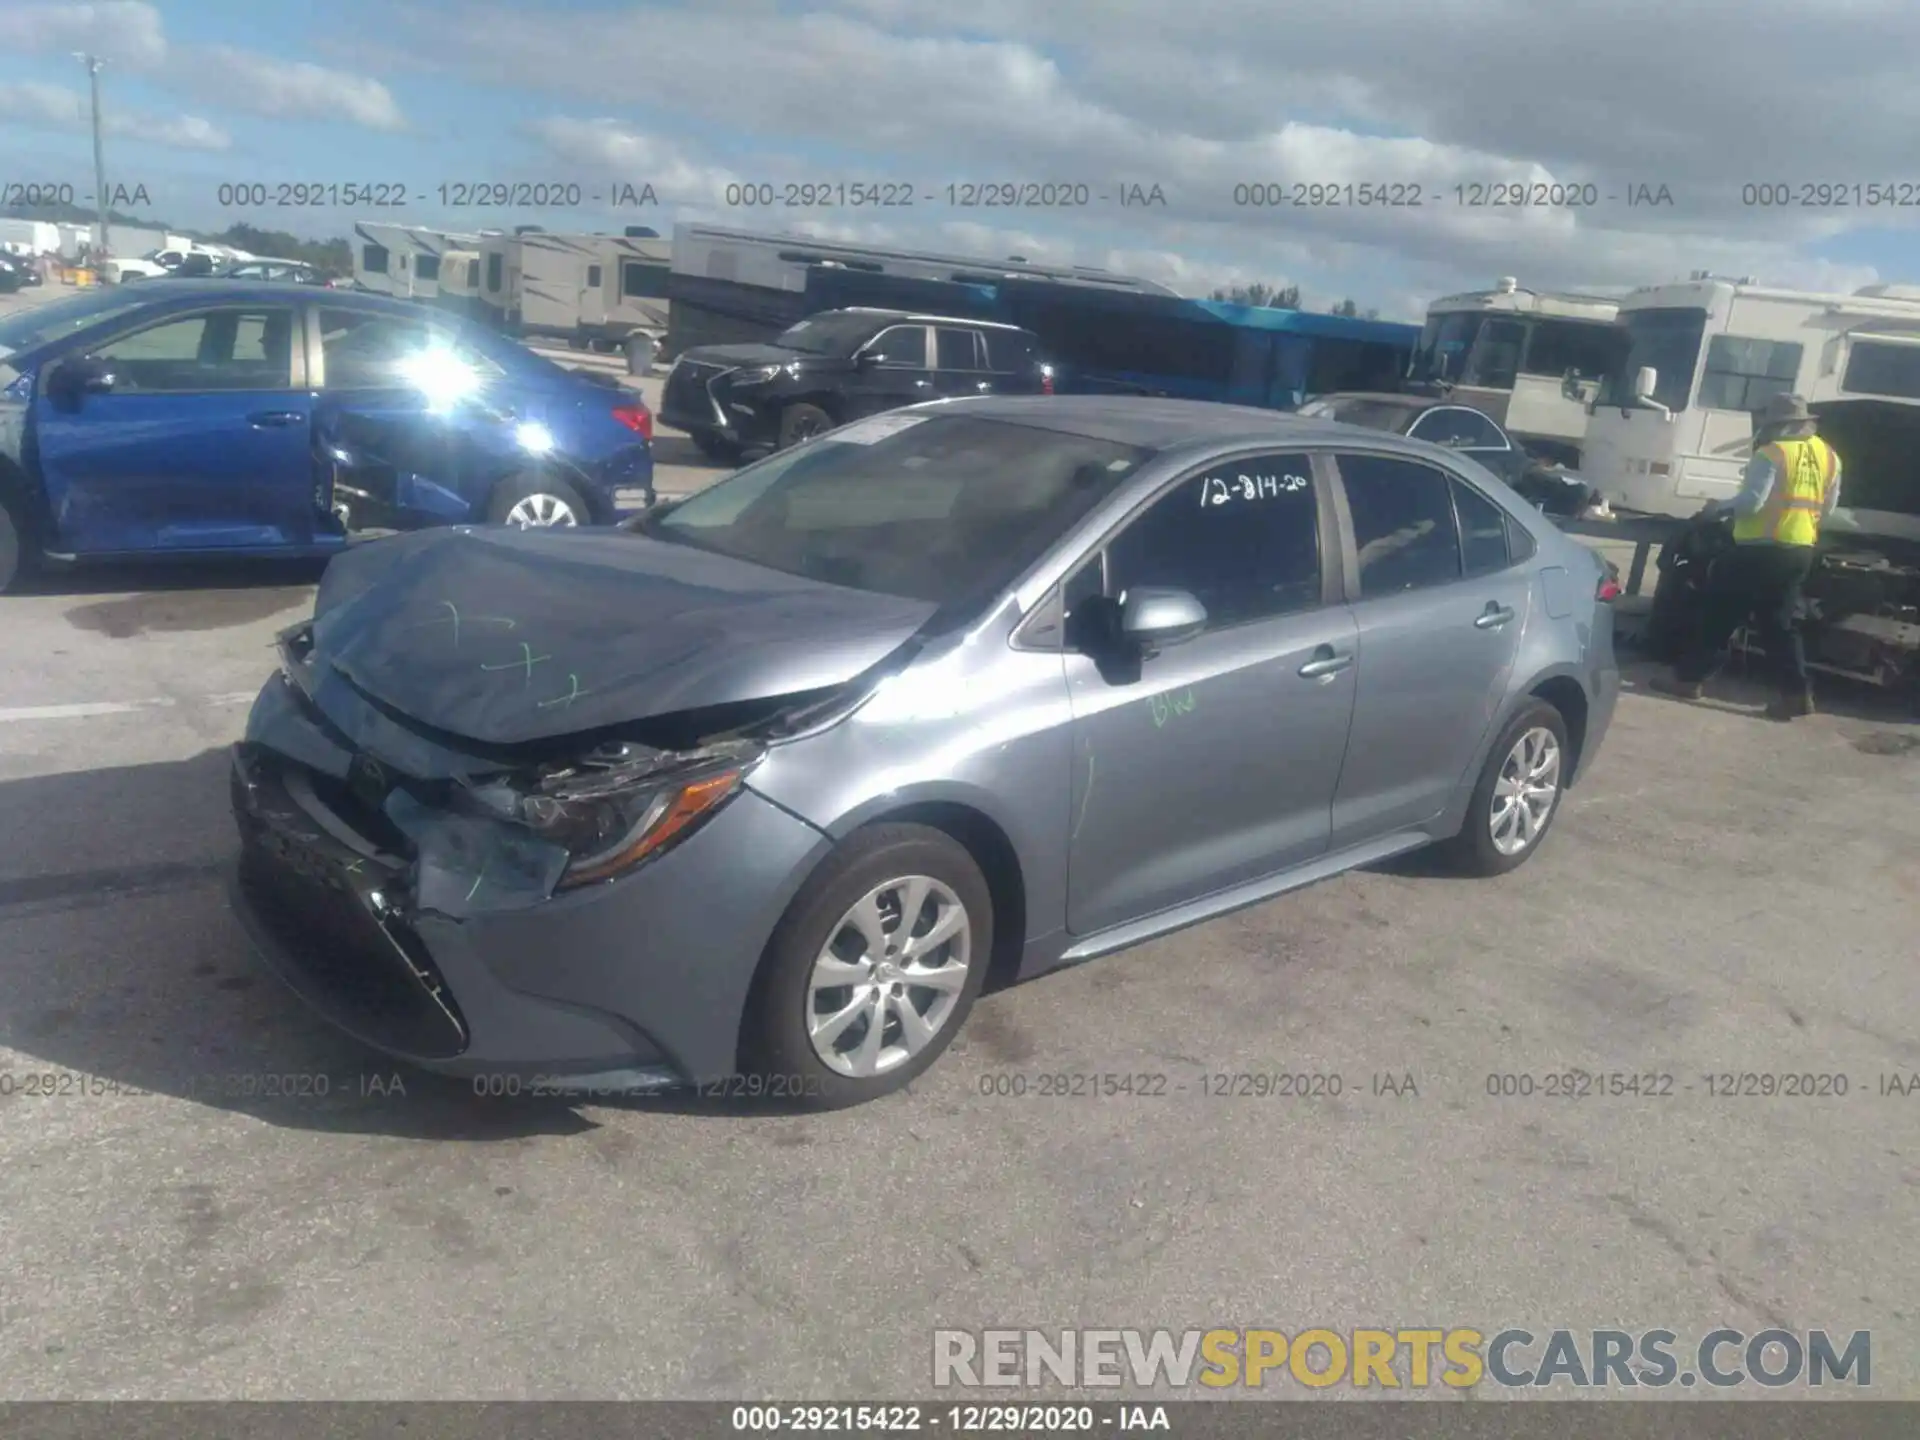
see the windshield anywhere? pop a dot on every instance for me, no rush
(28, 329)
(1669, 341)
(1446, 338)
(1373, 414)
(945, 509)
(829, 334)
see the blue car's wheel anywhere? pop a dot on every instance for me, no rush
(538, 502)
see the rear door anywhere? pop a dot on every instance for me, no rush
(1439, 608)
(204, 440)
(409, 424)
(900, 372)
(1015, 361)
(960, 362)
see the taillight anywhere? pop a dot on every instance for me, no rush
(636, 418)
(1609, 589)
(1046, 379)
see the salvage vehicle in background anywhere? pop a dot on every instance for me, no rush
(229, 418)
(766, 786)
(1673, 428)
(837, 366)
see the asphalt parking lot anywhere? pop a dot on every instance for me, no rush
(1720, 895)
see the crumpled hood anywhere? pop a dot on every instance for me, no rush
(506, 636)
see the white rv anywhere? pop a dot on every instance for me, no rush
(1673, 425)
(30, 237)
(1532, 359)
(402, 260)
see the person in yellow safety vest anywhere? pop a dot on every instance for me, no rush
(1791, 486)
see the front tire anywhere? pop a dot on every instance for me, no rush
(1517, 797)
(872, 971)
(538, 502)
(801, 422)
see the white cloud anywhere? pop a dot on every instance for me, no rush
(292, 89)
(1389, 92)
(625, 153)
(125, 32)
(55, 107)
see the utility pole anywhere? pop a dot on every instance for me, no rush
(93, 65)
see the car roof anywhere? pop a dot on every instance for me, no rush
(214, 287)
(878, 315)
(1157, 424)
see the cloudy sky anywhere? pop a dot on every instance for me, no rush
(1443, 99)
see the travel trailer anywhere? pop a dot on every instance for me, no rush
(30, 237)
(1672, 428)
(402, 260)
(459, 284)
(1532, 359)
(592, 290)
(730, 286)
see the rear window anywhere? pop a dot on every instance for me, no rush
(1010, 350)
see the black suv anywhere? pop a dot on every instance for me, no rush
(837, 366)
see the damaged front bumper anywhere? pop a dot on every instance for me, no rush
(439, 939)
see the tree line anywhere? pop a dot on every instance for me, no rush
(1283, 297)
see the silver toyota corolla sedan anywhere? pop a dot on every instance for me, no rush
(760, 790)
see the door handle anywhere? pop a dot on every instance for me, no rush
(922, 384)
(274, 419)
(1325, 664)
(1493, 617)
(984, 386)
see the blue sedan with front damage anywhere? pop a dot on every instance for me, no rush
(229, 418)
(766, 782)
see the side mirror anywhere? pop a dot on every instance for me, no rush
(1152, 618)
(1644, 382)
(867, 359)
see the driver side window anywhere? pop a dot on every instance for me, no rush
(902, 347)
(1242, 537)
(215, 350)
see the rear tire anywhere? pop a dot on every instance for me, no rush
(872, 878)
(801, 422)
(18, 551)
(1517, 797)
(537, 502)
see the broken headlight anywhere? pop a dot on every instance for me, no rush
(623, 804)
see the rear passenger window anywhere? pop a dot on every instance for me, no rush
(1243, 538)
(957, 350)
(1483, 531)
(1403, 524)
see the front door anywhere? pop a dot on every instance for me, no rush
(1471, 433)
(1214, 761)
(1440, 614)
(896, 371)
(202, 442)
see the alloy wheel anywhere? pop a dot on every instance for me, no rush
(1526, 792)
(888, 977)
(541, 512)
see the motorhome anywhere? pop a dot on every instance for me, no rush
(403, 260)
(729, 286)
(1672, 428)
(1533, 359)
(459, 284)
